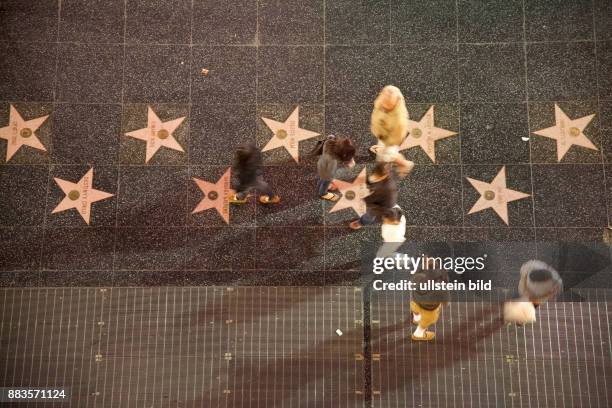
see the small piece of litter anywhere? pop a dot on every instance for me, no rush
(205, 72)
(339, 332)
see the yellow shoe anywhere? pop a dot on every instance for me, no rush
(264, 199)
(429, 336)
(233, 199)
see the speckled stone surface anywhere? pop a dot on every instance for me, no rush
(95, 66)
(491, 133)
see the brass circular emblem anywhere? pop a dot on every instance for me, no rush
(489, 195)
(416, 133)
(25, 132)
(163, 134)
(574, 131)
(281, 134)
(349, 195)
(74, 195)
(213, 195)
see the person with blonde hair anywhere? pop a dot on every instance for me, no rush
(389, 124)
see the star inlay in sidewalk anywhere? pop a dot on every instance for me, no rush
(20, 132)
(495, 195)
(157, 134)
(216, 195)
(352, 194)
(568, 132)
(80, 195)
(288, 134)
(424, 134)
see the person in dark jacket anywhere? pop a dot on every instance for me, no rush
(333, 152)
(382, 197)
(248, 174)
(426, 302)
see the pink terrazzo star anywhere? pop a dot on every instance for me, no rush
(352, 194)
(495, 195)
(80, 195)
(216, 195)
(568, 132)
(157, 134)
(288, 134)
(424, 134)
(21, 132)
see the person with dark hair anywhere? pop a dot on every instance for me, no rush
(382, 197)
(539, 282)
(333, 152)
(248, 174)
(426, 302)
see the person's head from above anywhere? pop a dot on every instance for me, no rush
(425, 294)
(345, 150)
(246, 154)
(389, 98)
(380, 172)
(392, 216)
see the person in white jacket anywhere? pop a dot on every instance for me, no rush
(393, 231)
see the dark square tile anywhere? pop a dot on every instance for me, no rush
(603, 16)
(158, 21)
(102, 212)
(291, 22)
(604, 68)
(518, 178)
(224, 22)
(296, 186)
(290, 248)
(606, 137)
(243, 215)
(150, 249)
(431, 196)
(362, 22)
(28, 111)
(89, 73)
(231, 78)
(492, 132)
(561, 71)
(344, 248)
(544, 149)
(86, 133)
(149, 278)
(220, 248)
(78, 248)
(96, 21)
(555, 20)
(290, 75)
(569, 195)
(355, 74)
(493, 72)
(352, 121)
(156, 73)
(217, 130)
(27, 71)
(311, 118)
(29, 20)
(135, 116)
(24, 191)
(432, 78)
(20, 248)
(448, 150)
(490, 21)
(152, 196)
(605, 114)
(417, 21)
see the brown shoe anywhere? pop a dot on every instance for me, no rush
(355, 225)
